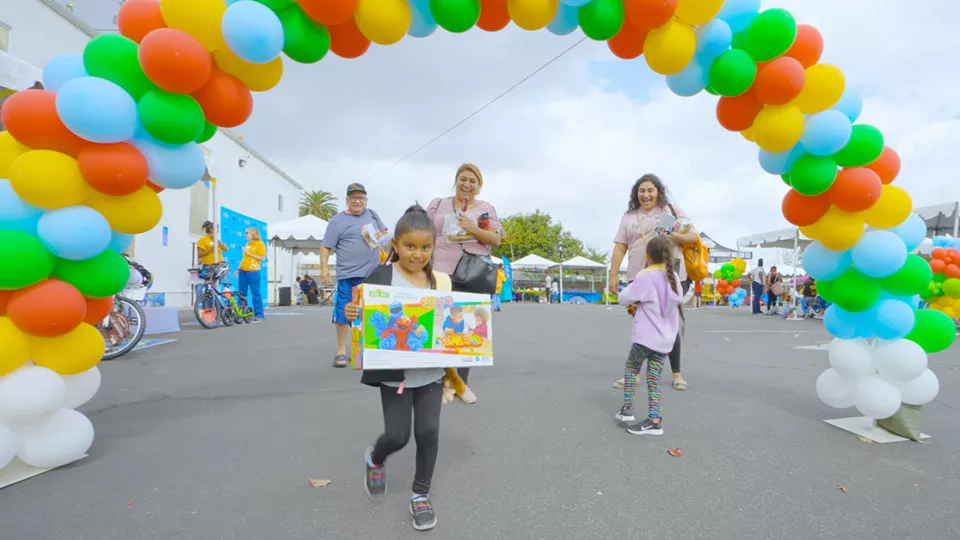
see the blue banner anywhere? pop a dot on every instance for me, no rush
(506, 291)
(233, 227)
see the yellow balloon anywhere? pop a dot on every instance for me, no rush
(48, 179)
(945, 301)
(778, 128)
(10, 150)
(384, 22)
(950, 312)
(670, 48)
(256, 77)
(128, 214)
(199, 18)
(839, 230)
(891, 210)
(15, 350)
(822, 88)
(748, 134)
(697, 12)
(532, 14)
(74, 352)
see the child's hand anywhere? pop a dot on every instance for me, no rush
(351, 311)
(632, 309)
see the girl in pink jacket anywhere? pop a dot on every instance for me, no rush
(654, 299)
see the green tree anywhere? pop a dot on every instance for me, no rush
(318, 203)
(537, 233)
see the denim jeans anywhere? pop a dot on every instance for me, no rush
(251, 280)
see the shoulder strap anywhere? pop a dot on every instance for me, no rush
(381, 275)
(672, 211)
(443, 281)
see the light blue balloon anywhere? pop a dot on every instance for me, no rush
(12, 207)
(97, 110)
(74, 233)
(565, 21)
(252, 31)
(879, 253)
(850, 104)
(713, 39)
(826, 133)
(172, 167)
(891, 319)
(690, 81)
(575, 3)
(841, 324)
(780, 162)
(119, 241)
(422, 23)
(739, 13)
(62, 69)
(912, 231)
(825, 264)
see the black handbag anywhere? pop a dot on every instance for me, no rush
(474, 273)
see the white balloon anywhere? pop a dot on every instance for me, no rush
(851, 358)
(921, 390)
(30, 394)
(834, 390)
(9, 445)
(81, 387)
(899, 361)
(64, 438)
(877, 398)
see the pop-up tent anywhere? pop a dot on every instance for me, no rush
(533, 262)
(303, 235)
(581, 264)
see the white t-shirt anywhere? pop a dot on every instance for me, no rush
(757, 274)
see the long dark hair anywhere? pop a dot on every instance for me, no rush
(662, 199)
(660, 251)
(415, 219)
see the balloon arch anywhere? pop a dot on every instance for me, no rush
(83, 162)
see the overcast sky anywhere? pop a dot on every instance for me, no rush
(571, 140)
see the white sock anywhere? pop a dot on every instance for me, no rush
(415, 495)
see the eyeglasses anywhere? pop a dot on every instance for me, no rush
(357, 198)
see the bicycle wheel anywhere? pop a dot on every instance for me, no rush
(207, 309)
(245, 311)
(126, 326)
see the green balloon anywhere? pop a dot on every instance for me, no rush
(710, 90)
(939, 278)
(456, 16)
(99, 277)
(951, 287)
(171, 118)
(732, 73)
(852, 291)
(600, 20)
(275, 5)
(739, 40)
(913, 278)
(304, 40)
(933, 330)
(209, 130)
(864, 147)
(115, 58)
(770, 34)
(786, 179)
(812, 175)
(24, 260)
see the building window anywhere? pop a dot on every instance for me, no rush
(4, 38)
(199, 207)
(279, 202)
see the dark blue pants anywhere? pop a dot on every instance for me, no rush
(757, 292)
(251, 280)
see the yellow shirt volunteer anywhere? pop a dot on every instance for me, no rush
(501, 279)
(254, 247)
(204, 244)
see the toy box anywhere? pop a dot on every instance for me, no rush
(401, 328)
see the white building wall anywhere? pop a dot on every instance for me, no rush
(38, 32)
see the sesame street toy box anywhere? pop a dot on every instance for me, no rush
(401, 328)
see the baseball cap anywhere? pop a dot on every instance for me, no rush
(356, 188)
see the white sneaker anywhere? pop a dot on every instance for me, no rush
(619, 384)
(625, 415)
(468, 396)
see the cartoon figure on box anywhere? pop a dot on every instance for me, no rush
(399, 332)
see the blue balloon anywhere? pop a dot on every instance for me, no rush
(879, 254)
(713, 39)
(841, 324)
(422, 23)
(912, 231)
(826, 133)
(739, 13)
(12, 207)
(825, 264)
(690, 81)
(62, 69)
(171, 166)
(850, 104)
(891, 319)
(575, 3)
(780, 162)
(119, 241)
(74, 233)
(252, 31)
(565, 21)
(97, 110)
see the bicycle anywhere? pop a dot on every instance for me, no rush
(213, 306)
(124, 327)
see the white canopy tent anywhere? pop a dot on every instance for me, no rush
(303, 235)
(579, 263)
(532, 262)
(788, 238)
(941, 219)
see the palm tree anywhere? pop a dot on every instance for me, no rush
(318, 203)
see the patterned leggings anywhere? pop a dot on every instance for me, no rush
(639, 354)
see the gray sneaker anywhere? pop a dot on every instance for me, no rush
(647, 427)
(375, 482)
(625, 415)
(422, 511)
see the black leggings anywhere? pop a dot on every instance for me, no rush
(675, 352)
(424, 401)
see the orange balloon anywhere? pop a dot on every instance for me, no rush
(952, 271)
(225, 101)
(804, 211)
(346, 40)
(738, 113)
(154, 187)
(113, 169)
(779, 81)
(175, 61)
(31, 117)
(137, 18)
(808, 46)
(330, 12)
(939, 254)
(736, 283)
(887, 166)
(649, 14)
(4, 298)
(937, 266)
(48, 309)
(97, 310)
(628, 43)
(493, 15)
(855, 189)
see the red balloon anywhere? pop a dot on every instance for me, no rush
(628, 43)
(779, 81)
(225, 101)
(937, 266)
(493, 15)
(330, 12)
(887, 166)
(4, 298)
(939, 254)
(137, 18)
(113, 169)
(31, 117)
(154, 187)
(48, 309)
(952, 271)
(953, 254)
(346, 40)
(855, 189)
(804, 211)
(649, 14)
(808, 46)
(175, 61)
(98, 309)
(738, 113)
